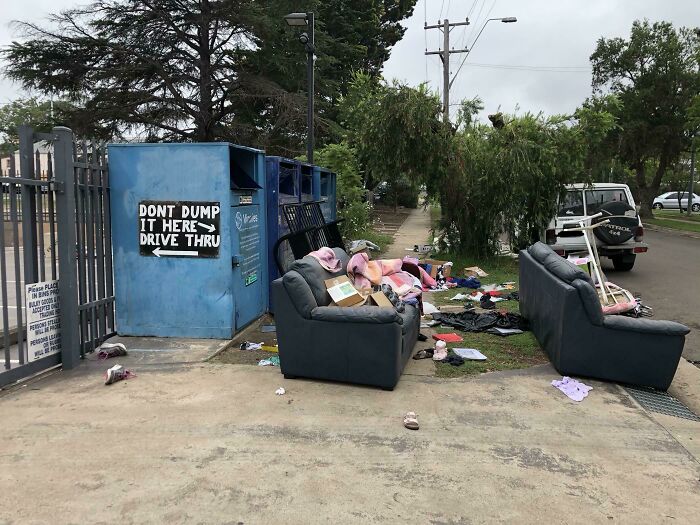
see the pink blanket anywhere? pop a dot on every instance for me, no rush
(365, 273)
(326, 257)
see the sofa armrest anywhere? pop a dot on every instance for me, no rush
(358, 314)
(645, 326)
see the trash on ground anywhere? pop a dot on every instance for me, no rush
(469, 353)
(272, 361)
(453, 359)
(471, 321)
(440, 351)
(460, 297)
(493, 288)
(280, 391)
(464, 282)
(410, 421)
(475, 271)
(478, 295)
(268, 328)
(117, 373)
(572, 388)
(448, 338)
(504, 332)
(422, 337)
(109, 350)
(247, 345)
(429, 308)
(270, 348)
(362, 245)
(424, 354)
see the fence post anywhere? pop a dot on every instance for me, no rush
(26, 170)
(64, 174)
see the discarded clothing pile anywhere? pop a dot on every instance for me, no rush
(365, 273)
(465, 282)
(471, 321)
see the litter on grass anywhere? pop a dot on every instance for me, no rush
(247, 345)
(469, 353)
(429, 308)
(272, 361)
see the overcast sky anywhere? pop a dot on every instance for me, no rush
(549, 35)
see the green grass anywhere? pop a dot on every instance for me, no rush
(675, 215)
(675, 224)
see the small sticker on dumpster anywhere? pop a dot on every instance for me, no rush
(179, 229)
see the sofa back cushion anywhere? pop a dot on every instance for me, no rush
(315, 275)
(539, 251)
(299, 293)
(589, 298)
(557, 265)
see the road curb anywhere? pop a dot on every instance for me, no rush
(686, 385)
(661, 229)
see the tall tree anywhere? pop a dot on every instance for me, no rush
(655, 74)
(202, 69)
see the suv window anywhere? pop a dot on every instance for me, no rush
(596, 198)
(572, 205)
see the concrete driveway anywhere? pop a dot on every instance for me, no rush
(668, 277)
(206, 443)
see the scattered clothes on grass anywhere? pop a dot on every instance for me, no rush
(478, 295)
(513, 296)
(471, 321)
(109, 350)
(247, 345)
(460, 297)
(271, 361)
(572, 388)
(280, 391)
(471, 354)
(448, 338)
(453, 359)
(486, 303)
(268, 328)
(326, 258)
(117, 373)
(465, 282)
(429, 308)
(410, 421)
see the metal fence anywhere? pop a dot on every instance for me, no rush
(56, 226)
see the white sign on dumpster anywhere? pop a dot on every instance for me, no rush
(43, 321)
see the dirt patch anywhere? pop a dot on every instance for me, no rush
(233, 355)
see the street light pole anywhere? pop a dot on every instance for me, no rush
(691, 184)
(309, 41)
(310, 50)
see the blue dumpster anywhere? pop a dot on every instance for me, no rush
(307, 182)
(189, 236)
(325, 191)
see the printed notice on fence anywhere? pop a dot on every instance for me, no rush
(179, 229)
(43, 321)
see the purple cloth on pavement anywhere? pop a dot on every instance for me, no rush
(573, 389)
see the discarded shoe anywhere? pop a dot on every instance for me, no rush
(424, 354)
(422, 337)
(117, 373)
(410, 421)
(486, 303)
(109, 350)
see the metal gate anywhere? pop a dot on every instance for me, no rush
(56, 227)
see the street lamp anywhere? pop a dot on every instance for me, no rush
(505, 20)
(307, 39)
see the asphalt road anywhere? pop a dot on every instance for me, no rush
(668, 277)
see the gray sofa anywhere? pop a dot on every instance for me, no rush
(365, 345)
(559, 300)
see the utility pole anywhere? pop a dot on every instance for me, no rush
(445, 53)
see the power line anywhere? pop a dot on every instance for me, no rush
(550, 69)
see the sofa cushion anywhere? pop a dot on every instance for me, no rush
(315, 275)
(355, 314)
(539, 251)
(565, 270)
(409, 318)
(299, 293)
(589, 298)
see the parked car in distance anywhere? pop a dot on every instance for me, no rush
(669, 201)
(620, 240)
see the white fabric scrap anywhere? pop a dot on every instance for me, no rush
(429, 308)
(280, 391)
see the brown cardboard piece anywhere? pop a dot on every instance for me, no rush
(447, 270)
(379, 299)
(342, 292)
(475, 271)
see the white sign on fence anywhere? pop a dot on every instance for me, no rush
(43, 321)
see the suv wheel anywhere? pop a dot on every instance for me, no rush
(658, 206)
(624, 263)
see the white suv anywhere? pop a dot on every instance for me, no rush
(620, 239)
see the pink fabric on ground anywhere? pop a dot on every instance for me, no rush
(365, 273)
(326, 257)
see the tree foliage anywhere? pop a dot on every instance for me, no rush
(203, 69)
(655, 76)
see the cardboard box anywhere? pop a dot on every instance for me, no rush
(475, 271)
(379, 299)
(342, 292)
(435, 265)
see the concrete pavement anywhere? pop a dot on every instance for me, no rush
(209, 443)
(414, 230)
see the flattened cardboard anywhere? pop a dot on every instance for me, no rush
(379, 299)
(475, 271)
(342, 292)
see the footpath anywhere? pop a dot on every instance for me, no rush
(188, 441)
